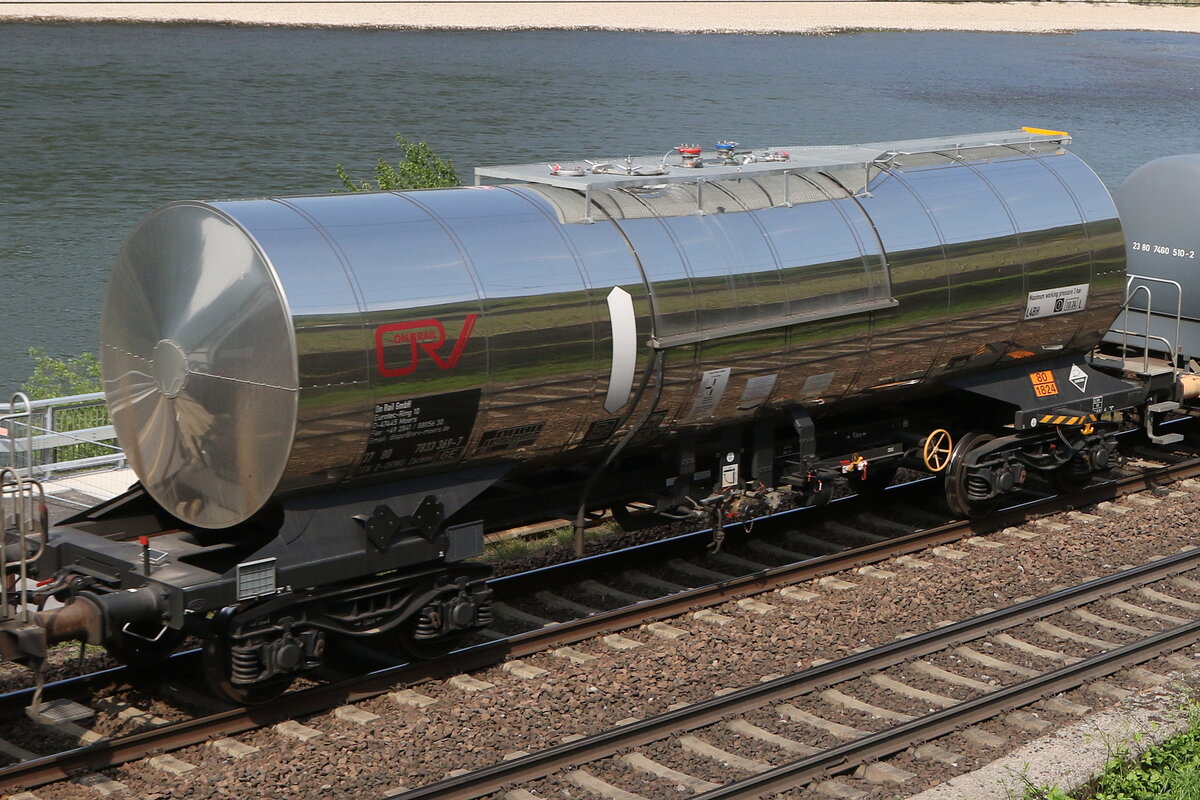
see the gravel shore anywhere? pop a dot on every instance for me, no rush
(802, 16)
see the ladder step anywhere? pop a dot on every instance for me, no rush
(1167, 438)
(1159, 408)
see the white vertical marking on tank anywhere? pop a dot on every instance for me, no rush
(624, 349)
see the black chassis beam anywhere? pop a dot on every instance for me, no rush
(1018, 444)
(323, 540)
(425, 583)
(188, 589)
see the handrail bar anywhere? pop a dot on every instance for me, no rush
(25, 510)
(1148, 338)
(37, 435)
(48, 438)
(4, 541)
(12, 431)
(53, 401)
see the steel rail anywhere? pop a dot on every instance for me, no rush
(108, 753)
(607, 743)
(888, 742)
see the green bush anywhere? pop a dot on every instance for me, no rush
(420, 168)
(62, 377)
(1170, 771)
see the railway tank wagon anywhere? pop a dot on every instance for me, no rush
(328, 400)
(315, 342)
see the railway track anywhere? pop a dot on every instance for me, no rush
(843, 682)
(160, 737)
(568, 591)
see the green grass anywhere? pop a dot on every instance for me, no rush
(563, 539)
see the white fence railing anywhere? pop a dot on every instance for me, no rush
(56, 437)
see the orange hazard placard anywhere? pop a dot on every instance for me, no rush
(1043, 383)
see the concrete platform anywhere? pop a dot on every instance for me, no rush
(67, 496)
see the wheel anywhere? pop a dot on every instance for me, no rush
(936, 449)
(958, 491)
(1073, 475)
(628, 518)
(874, 482)
(428, 649)
(218, 666)
(819, 495)
(143, 645)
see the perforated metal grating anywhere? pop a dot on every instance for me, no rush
(60, 711)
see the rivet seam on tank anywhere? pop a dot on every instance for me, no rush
(214, 375)
(127, 353)
(248, 383)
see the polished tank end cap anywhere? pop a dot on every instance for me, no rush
(199, 364)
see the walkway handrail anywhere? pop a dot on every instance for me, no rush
(1132, 291)
(28, 516)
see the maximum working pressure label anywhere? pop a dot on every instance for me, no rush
(1062, 300)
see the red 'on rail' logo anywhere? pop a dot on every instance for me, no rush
(398, 346)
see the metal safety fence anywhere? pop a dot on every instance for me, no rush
(58, 437)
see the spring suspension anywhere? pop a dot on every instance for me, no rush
(245, 665)
(1078, 467)
(429, 623)
(483, 616)
(978, 487)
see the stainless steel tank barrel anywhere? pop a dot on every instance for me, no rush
(258, 347)
(1158, 204)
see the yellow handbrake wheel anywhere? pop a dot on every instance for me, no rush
(935, 451)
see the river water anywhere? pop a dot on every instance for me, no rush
(99, 124)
